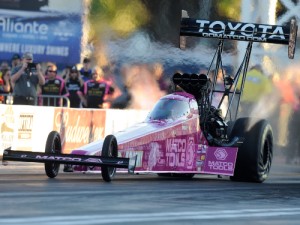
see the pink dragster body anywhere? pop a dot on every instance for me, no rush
(170, 140)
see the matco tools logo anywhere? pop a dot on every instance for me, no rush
(220, 154)
(220, 164)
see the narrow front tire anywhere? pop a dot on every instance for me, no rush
(53, 146)
(109, 149)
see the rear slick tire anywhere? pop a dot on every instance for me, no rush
(53, 146)
(254, 158)
(109, 149)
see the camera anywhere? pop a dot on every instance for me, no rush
(31, 66)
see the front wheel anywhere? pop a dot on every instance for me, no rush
(53, 146)
(109, 149)
(255, 155)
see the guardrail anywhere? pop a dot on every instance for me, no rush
(43, 100)
(50, 100)
(7, 99)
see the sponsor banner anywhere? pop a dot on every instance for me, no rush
(7, 126)
(79, 127)
(220, 160)
(27, 127)
(50, 34)
(31, 125)
(24, 127)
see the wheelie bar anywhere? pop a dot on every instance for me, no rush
(87, 160)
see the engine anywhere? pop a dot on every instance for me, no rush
(197, 85)
(215, 126)
(211, 121)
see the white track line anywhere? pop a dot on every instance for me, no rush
(151, 217)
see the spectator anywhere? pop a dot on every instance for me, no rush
(85, 71)
(25, 79)
(96, 91)
(109, 76)
(257, 85)
(66, 72)
(5, 86)
(123, 100)
(54, 86)
(15, 60)
(287, 86)
(4, 65)
(73, 85)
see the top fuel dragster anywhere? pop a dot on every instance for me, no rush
(185, 134)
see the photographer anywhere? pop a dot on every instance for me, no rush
(25, 79)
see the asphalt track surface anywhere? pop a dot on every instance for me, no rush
(27, 196)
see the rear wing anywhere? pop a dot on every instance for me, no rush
(239, 31)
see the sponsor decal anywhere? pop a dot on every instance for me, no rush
(66, 158)
(185, 127)
(202, 148)
(180, 152)
(25, 131)
(57, 158)
(199, 163)
(190, 153)
(220, 154)
(220, 160)
(25, 126)
(240, 31)
(139, 154)
(154, 155)
(176, 152)
(93, 160)
(221, 166)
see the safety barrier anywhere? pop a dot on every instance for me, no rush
(50, 100)
(43, 100)
(25, 127)
(6, 99)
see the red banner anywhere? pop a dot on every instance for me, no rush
(79, 127)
